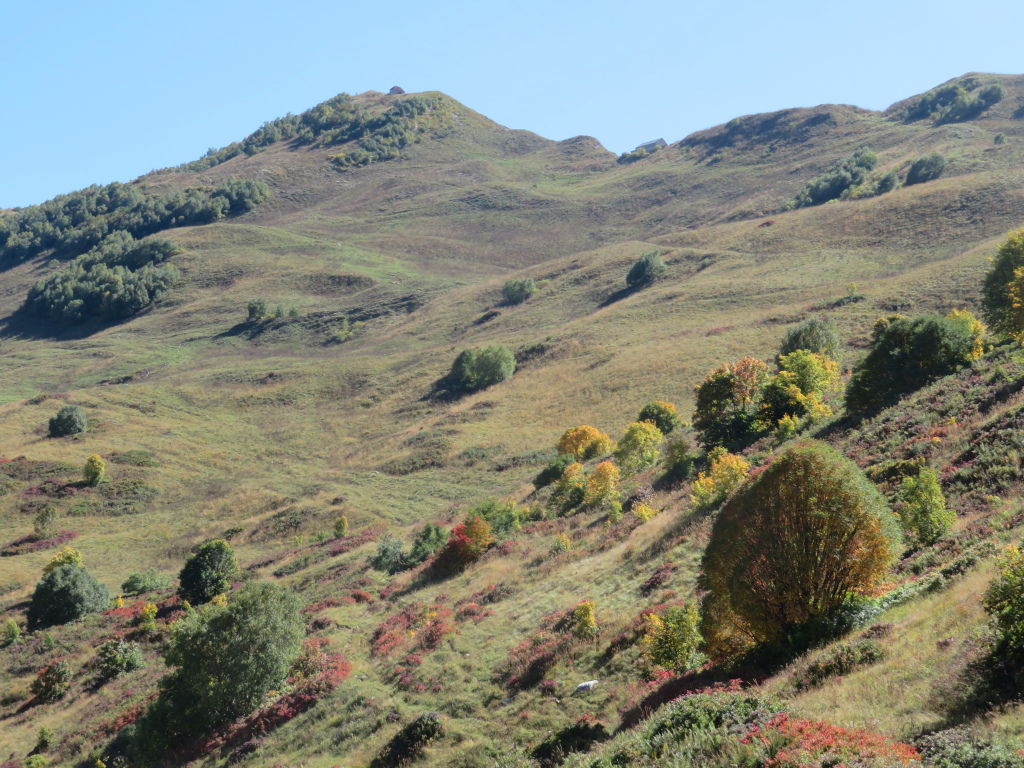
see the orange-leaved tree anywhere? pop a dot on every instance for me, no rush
(791, 546)
(584, 442)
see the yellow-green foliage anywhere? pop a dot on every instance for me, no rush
(66, 556)
(673, 639)
(570, 488)
(585, 620)
(602, 484)
(584, 442)
(562, 544)
(661, 414)
(725, 473)
(146, 620)
(726, 402)
(644, 512)
(10, 634)
(341, 526)
(804, 378)
(922, 507)
(638, 449)
(93, 471)
(1004, 599)
(974, 326)
(1002, 289)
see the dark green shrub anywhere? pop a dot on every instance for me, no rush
(662, 415)
(145, 581)
(996, 303)
(390, 556)
(70, 420)
(844, 175)
(208, 572)
(818, 335)
(839, 661)
(646, 270)
(53, 682)
(426, 543)
(66, 593)
(887, 183)
(118, 657)
(257, 310)
(926, 168)
(963, 748)
(476, 369)
(554, 470)
(518, 291)
(410, 742)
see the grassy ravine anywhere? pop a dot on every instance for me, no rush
(268, 431)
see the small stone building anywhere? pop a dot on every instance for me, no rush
(651, 146)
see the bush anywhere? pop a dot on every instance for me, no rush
(816, 335)
(570, 489)
(476, 369)
(678, 458)
(466, 544)
(93, 471)
(602, 484)
(1004, 601)
(67, 556)
(256, 310)
(815, 532)
(997, 305)
(905, 355)
(341, 526)
(427, 542)
(118, 657)
(10, 634)
(672, 640)
(963, 748)
(145, 581)
(53, 682)
(662, 415)
(843, 175)
(554, 470)
(922, 508)
(390, 556)
(646, 270)
(926, 168)
(518, 291)
(224, 660)
(66, 593)
(44, 521)
(839, 661)
(639, 447)
(410, 742)
(725, 473)
(207, 573)
(70, 420)
(583, 443)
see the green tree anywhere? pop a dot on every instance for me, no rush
(118, 657)
(64, 594)
(922, 507)
(93, 471)
(427, 542)
(10, 634)
(660, 414)
(727, 403)
(257, 310)
(70, 420)
(838, 178)
(790, 546)
(1004, 601)
(639, 447)
(390, 556)
(554, 470)
(926, 168)
(224, 661)
(144, 581)
(648, 268)
(816, 335)
(478, 369)
(672, 640)
(996, 302)
(208, 572)
(45, 521)
(518, 291)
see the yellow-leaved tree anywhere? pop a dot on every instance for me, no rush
(584, 442)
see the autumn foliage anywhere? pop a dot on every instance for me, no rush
(466, 544)
(584, 442)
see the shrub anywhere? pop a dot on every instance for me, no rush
(1004, 601)
(67, 556)
(887, 183)
(725, 473)
(662, 415)
(726, 408)
(997, 304)
(839, 661)
(602, 484)
(66, 593)
(926, 168)
(672, 640)
(93, 471)
(639, 447)
(341, 526)
(146, 620)
(570, 490)
(476, 369)
(905, 355)
(841, 176)
(678, 458)
(584, 620)
(45, 739)
(922, 508)
(44, 521)
(35, 761)
(53, 682)
(10, 634)
(118, 657)
(816, 335)
(964, 748)
(554, 470)
(466, 544)
(518, 291)
(583, 442)
(145, 581)
(390, 556)
(207, 573)
(224, 660)
(256, 310)
(70, 420)
(797, 390)
(427, 541)
(648, 268)
(411, 742)
(815, 532)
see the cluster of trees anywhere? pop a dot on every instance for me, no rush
(383, 137)
(956, 102)
(75, 223)
(118, 278)
(847, 174)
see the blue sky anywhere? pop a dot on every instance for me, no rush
(108, 90)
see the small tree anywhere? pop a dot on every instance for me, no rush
(926, 168)
(341, 526)
(45, 520)
(257, 310)
(64, 594)
(1004, 601)
(207, 573)
(426, 543)
(10, 634)
(570, 489)
(118, 657)
(53, 682)
(146, 581)
(584, 620)
(603, 484)
(724, 475)
(554, 470)
(466, 544)
(672, 640)
(70, 420)
(93, 471)
(998, 305)
(816, 335)
(645, 271)
(390, 556)
(660, 414)
(478, 369)
(67, 556)
(922, 507)
(583, 442)
(726, 409)
(638, 449)
(518, 291)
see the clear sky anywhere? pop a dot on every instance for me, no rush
(107, 90)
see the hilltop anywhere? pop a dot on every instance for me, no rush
(384, 227)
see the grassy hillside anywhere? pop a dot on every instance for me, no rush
(264, 432)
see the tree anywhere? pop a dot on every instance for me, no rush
(65, 594)
(1004, 601)
(726, 409)
(660, 414)
(648, 268)
(725, 473)
(570, 489)
(926, 168)
(997, 304)
(224, 660)
(922, 508)
(466, 544)
(672, 640)
(390, 556)
(554, 470)
(207, 573)
(45, 520)
(144, 581)
(797, 390)
(843, 175)
(638, 449)
(93, 471)
(478, 369)
(67, 556)
(905, 355)
(583, 442)
(790, 547)
(603, 484)
(118, 657)
(257, 310)
(70, 420)
(518, 291)
(816, 335)
(427, 542)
